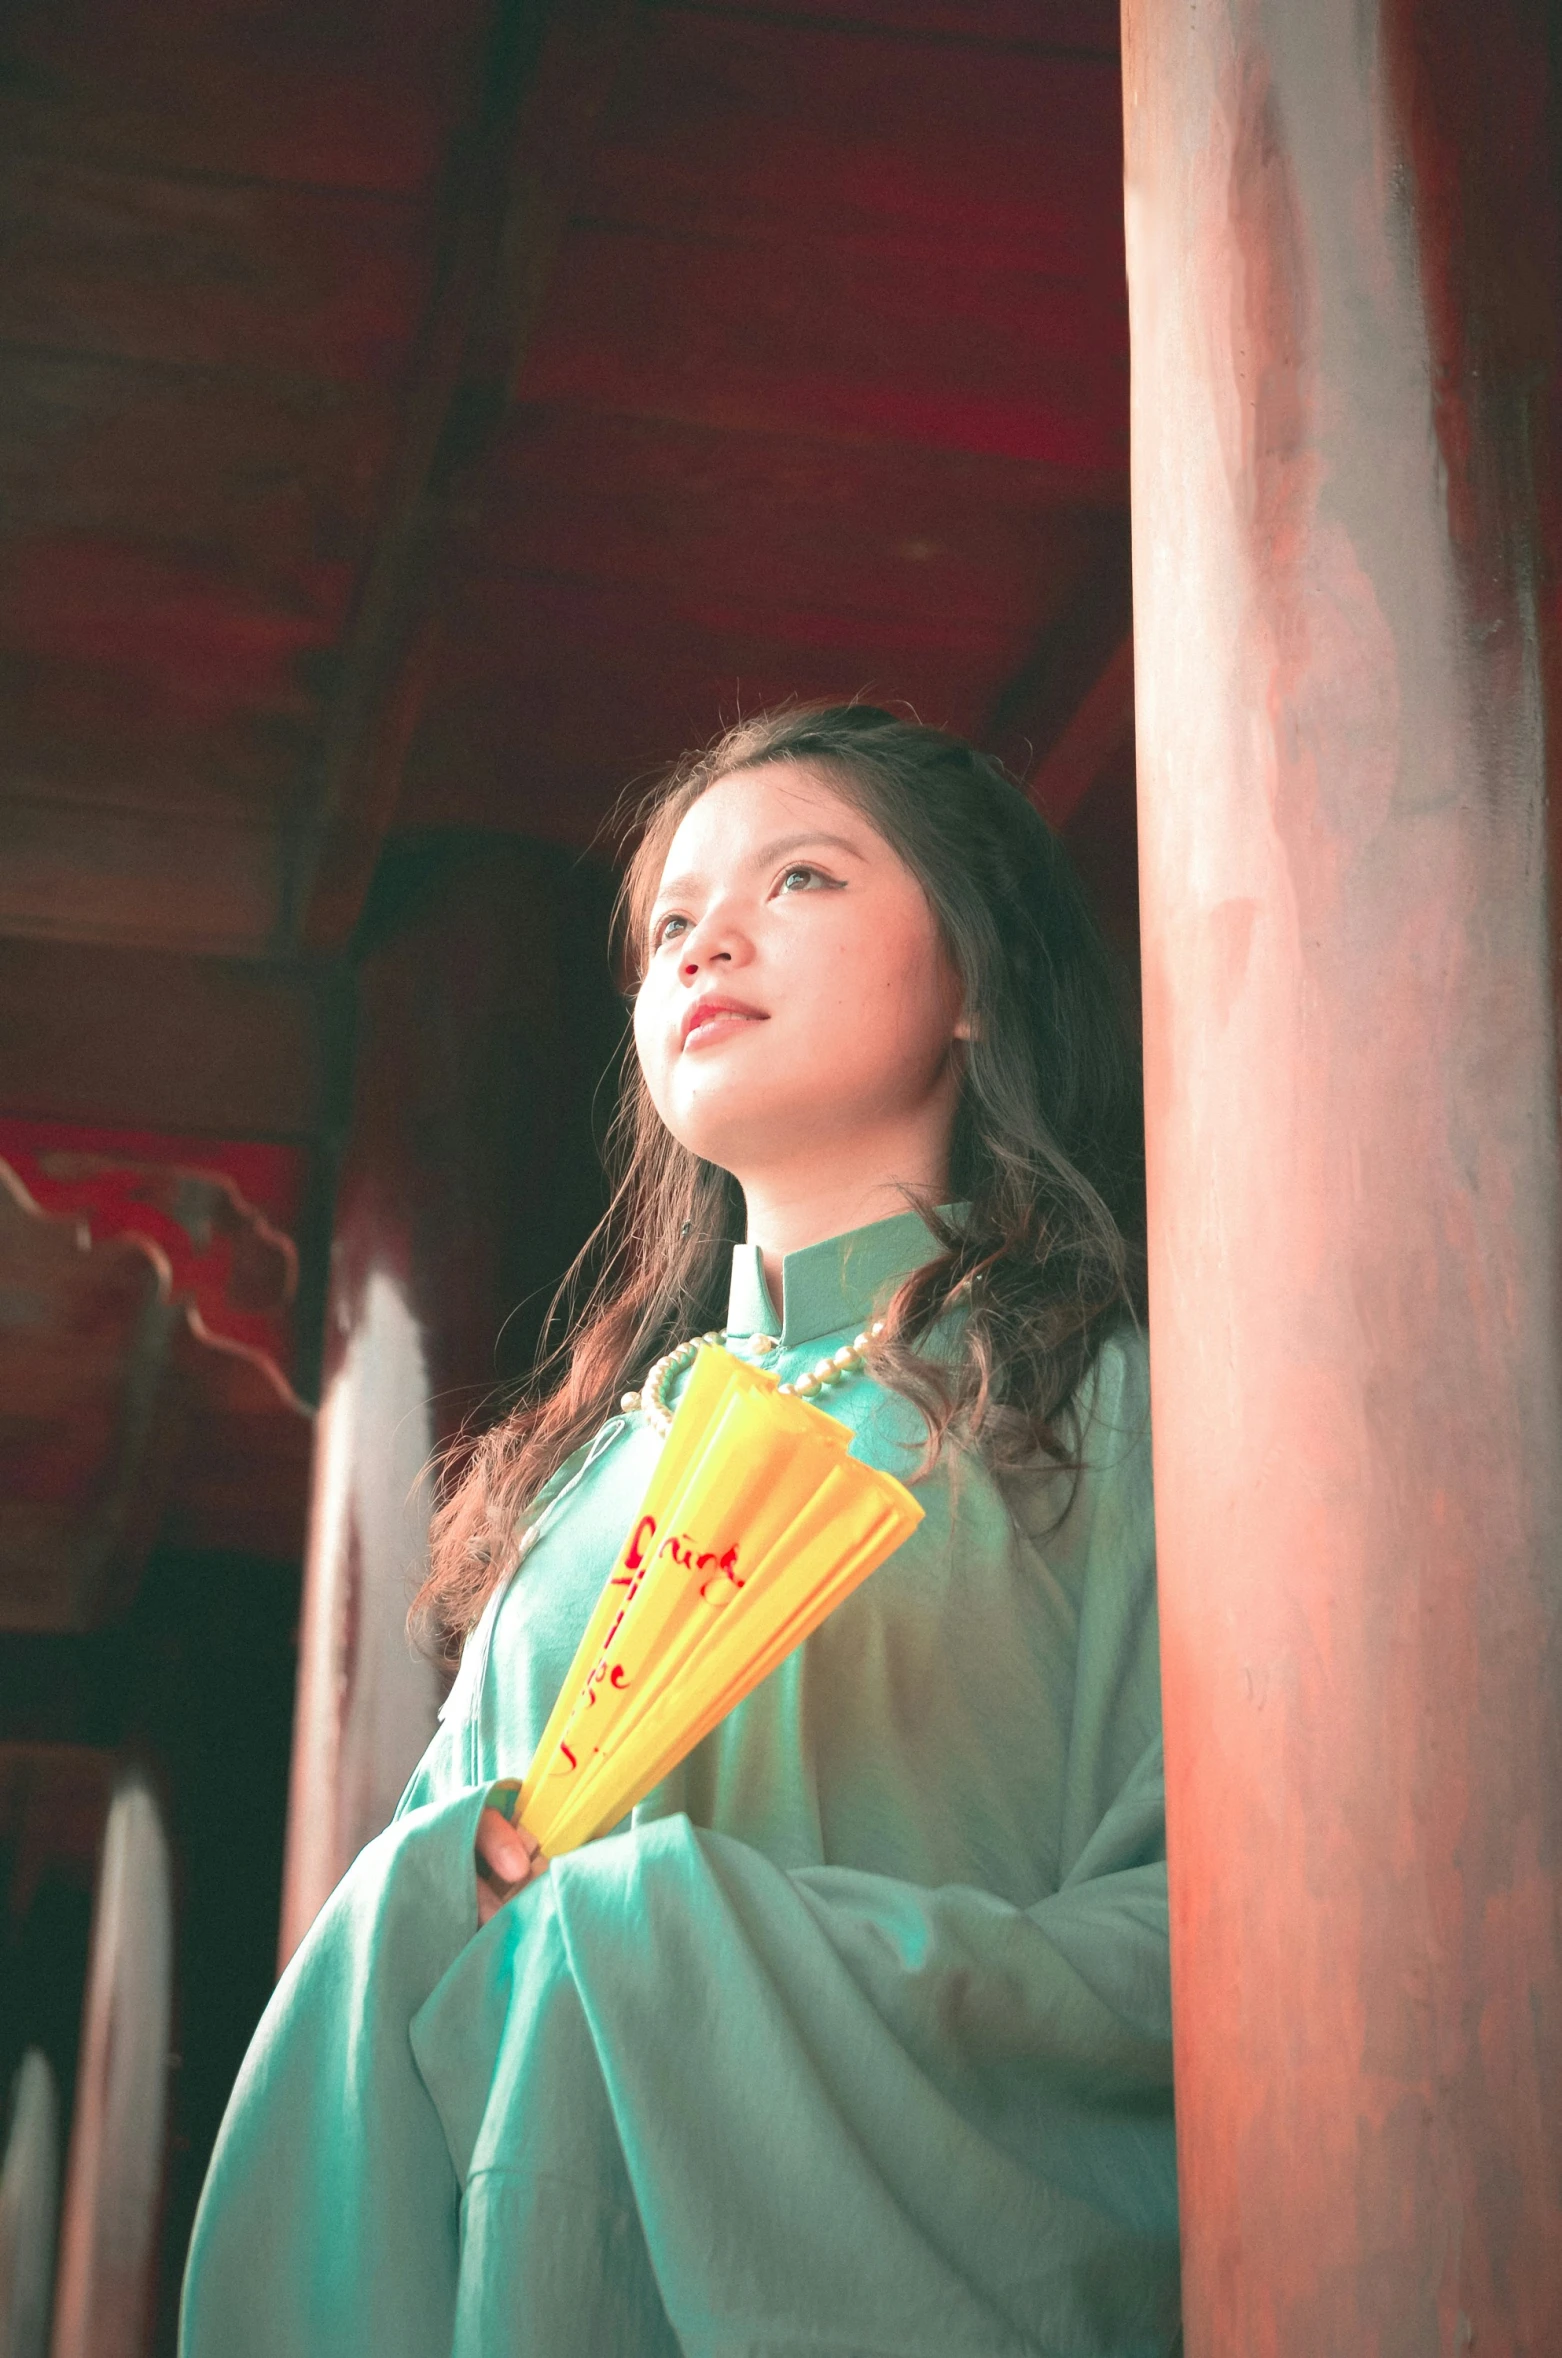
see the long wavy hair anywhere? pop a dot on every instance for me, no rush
(1046, 1157)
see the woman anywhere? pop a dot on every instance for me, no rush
(856, 2038)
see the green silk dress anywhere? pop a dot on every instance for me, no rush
(854, 2040)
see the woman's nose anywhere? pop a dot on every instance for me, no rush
(714, 941)
(696, 960)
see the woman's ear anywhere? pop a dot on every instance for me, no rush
(964, 1025)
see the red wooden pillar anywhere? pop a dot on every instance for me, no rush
(1343, 269)
(484, 1022)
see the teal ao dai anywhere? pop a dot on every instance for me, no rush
(854, 2042)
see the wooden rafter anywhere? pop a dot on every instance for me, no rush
(517, 167)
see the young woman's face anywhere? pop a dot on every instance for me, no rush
(796, 995)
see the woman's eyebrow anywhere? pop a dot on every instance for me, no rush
(809, 837)
(682, 888)
(676, 888)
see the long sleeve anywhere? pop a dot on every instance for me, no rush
(852, 2116)
(856, 2042)
(849, 2112)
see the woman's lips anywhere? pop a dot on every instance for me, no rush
(713, 1019)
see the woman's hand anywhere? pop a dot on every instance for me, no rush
(507, 1859)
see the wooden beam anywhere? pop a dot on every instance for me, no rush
(151, 1039)
(518, 167)
(77, 871)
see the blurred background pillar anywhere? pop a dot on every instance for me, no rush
(468, 1178)
(1343, 272)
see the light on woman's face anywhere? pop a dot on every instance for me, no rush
(796, 993)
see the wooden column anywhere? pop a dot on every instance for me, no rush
(1343, 269)
(485, 1020)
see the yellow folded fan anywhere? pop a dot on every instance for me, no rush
(754, 1526)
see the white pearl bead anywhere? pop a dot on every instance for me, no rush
(824, 1372)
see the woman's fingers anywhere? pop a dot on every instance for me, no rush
(510, 1850)
(507, 1859)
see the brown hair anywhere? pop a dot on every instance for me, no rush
(1047, 1153)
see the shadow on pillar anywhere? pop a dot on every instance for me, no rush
(469, 1177)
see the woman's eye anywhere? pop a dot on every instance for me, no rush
(800, 878)
(666, 927)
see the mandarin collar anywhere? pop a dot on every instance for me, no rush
(828, 1286)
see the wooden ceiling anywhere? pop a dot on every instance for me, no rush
(420, 413)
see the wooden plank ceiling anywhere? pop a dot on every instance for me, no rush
(415, 414)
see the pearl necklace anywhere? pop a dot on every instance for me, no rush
(833, 1368)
